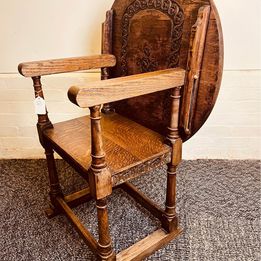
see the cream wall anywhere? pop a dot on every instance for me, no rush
(34, 29)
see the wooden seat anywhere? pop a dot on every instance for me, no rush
(123, 150)
(161, 69)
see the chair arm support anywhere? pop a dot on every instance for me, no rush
(47, 67)
(121, 88)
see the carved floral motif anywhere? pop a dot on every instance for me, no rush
(168, 7)
(147, 63)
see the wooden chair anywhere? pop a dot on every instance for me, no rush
(164, 59)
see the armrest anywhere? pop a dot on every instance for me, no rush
(121, 88)
(47, 67)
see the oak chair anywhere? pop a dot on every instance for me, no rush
(161, 67)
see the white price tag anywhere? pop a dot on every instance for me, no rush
(39, 105)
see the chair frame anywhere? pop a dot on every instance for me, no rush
(100, 186)
(98, 176)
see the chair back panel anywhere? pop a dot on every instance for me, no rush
(149, 35)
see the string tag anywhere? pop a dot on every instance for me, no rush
(39, 105)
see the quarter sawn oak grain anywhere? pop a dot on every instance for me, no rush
(125, 87)
(48, 67)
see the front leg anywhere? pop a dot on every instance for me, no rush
(169, 219)
(100, 182)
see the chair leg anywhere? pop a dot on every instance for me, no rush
(104, 243)
(55, 189)
(170, 220)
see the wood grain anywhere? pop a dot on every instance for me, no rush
(211, 72)
(196, 52)
(48, 67)
(169, 219)
(105, 251)
(152, 110)
(107, 49)
(107, 33)
(144, 168)
(147, 246)
(123, 150)
(101, 92)
(100, 180)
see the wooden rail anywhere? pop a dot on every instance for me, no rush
(100, 92)
(47, 67)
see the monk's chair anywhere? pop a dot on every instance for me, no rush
(161, 68)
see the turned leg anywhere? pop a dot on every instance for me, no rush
(55, 189)
(104, 243)
(44, 123)
(100, 183)
(170, 220)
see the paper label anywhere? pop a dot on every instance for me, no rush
(39, 105)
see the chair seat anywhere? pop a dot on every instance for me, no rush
(130, 148)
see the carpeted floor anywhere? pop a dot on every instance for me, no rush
(218, 206)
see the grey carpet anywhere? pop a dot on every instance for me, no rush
(218, 206)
